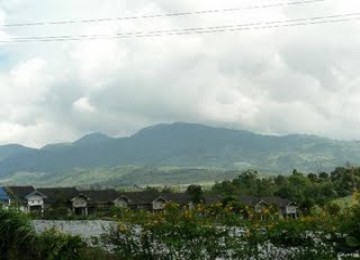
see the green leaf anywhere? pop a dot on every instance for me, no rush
(352, 241)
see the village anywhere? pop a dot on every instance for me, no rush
(85, 203)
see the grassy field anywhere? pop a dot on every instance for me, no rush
(126, 176)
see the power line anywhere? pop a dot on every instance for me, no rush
(176, 14)
(197, 30)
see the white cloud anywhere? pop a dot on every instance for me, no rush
(83, 105)
(285, 80)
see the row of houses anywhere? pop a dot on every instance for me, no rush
(85, 202)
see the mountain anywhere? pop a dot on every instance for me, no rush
(185, 145)
(87, 140)
(92, 139)
(12, 150)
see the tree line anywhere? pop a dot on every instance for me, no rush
(305, 189)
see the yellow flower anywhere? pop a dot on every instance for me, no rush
(356, 196)
(122, 228)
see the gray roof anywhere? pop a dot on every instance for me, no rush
(19, 192)
(179, 198)
(210, 199)
(100, 196)
(250, 200)
(139, 198)
(147, 197)
(36, 193)
(280, 202)
(58, 195)
(270, 200)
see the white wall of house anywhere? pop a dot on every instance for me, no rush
(260, 207)
(35, 201)
(290, 210)
(191, 205)
(79, 202)
(80, 206)
(121, 202)
(158, 204)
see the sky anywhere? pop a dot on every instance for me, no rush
(282, 80)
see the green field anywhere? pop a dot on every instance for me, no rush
(126, 176)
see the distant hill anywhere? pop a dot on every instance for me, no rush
(12, 150)
(87, 140)
(185, 145)
(92, 139)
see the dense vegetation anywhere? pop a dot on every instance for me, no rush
(19, 241)
(307, 190)
(219, 231)
(226, 230)
(204, 232)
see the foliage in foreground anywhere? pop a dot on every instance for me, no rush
(221, 232)
(19, 241)
(224, 231)
(211, 232)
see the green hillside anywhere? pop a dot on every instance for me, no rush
(179, 146)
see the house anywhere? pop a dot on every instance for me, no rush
(35, 201)
(79, 205)
(78, 202)
(90, 201)
(147, 200)
(257, 203)
(182, 199)
(26, 198)
(158, 204)
(102, 200)
(83, 203)
(58, 197)
(287, 208)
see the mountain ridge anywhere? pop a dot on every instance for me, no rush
(12, 149)
(186, 145)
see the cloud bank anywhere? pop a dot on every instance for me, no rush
(302, 79)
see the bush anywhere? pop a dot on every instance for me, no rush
(19, 241)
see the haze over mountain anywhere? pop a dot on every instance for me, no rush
(183, 145)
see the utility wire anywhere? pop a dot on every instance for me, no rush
(197, 30)
(176, 14)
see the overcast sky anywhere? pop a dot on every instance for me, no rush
(300, 79)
